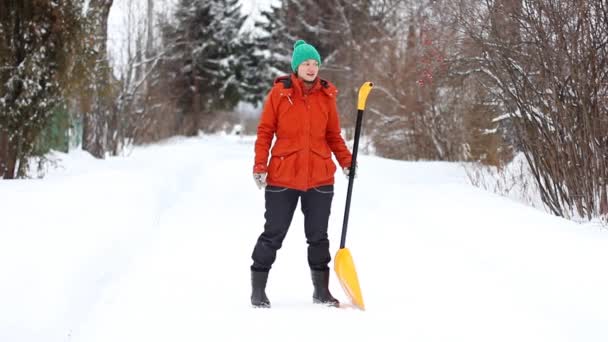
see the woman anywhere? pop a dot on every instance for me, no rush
(301, 112)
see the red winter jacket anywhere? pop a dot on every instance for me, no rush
(307, 129)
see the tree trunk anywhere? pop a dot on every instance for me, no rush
(149, 43)
(95, 123)
(8, 156)
(603, 202)
(4, 155)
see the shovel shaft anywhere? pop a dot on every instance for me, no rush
(363, 93)
(351, 176)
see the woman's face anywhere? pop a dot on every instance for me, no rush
(308, 70)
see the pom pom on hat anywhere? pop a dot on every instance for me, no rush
(303, 51)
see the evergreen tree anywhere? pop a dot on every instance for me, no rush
(38, 40)
(209, 63)
(250, 71)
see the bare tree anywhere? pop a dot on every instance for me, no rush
(547, 62)
(420, 109)
(133, 67)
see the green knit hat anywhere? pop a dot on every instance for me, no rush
(303, 51)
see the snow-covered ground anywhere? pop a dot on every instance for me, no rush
(156, 247)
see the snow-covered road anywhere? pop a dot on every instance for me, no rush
(156, 247)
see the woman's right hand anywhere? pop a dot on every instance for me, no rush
(260, 179)
(259, 175)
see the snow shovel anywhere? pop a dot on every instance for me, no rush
(343, 262)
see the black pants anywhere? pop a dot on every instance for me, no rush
(280, 206)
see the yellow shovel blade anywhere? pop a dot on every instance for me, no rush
(345, 270)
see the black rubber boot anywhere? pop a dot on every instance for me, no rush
(321, 295)
(258, 289)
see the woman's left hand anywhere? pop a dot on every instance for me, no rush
(346, 171)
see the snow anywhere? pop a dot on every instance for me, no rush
(253, 9)
(156, 246)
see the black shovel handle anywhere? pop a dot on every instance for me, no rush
(363, 92)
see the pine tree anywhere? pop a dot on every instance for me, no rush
(250, 70)
(315, 21)
(209, 61)
(38, 41)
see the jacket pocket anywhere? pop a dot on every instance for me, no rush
(322, 166)
(283, 167)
